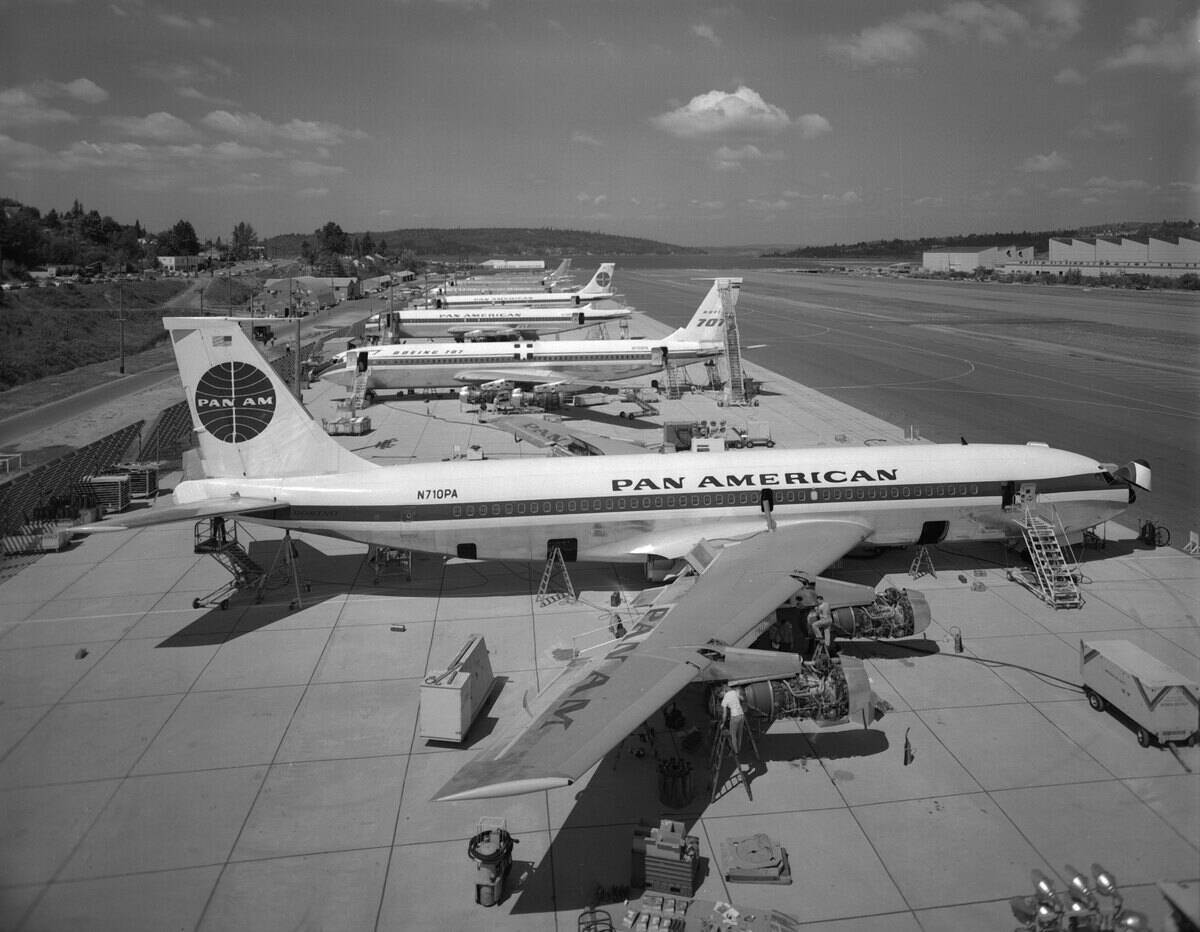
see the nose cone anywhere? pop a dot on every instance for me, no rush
(341, 375)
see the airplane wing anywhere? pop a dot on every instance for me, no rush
(480, 331)
(598, 700)
(545, 434)
(561, 381)
(169, 514)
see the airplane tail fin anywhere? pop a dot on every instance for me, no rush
(248, 422)
(708, 323)
(601, 283)
(563, 268)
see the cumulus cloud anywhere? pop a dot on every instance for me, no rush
(85, 90)
(30, 104)
(20, 107)
(586, 139)
(730, 158)
(253, 126)
(707, 33)
(886, 44)
(308, 194)
(178, 21)
(304, 168)
(1044, 163)
(1069, 76)
(161, 126)
(904, 38)
(717, 112)
(1103, 129)
(813, 125)
(1158, 45)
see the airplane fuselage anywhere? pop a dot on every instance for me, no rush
(439, 365)
(534, 298)
(443, 322)
(626, 508)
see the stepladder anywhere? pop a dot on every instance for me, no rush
(725, 748)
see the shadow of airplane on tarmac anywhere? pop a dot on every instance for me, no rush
(590, 861)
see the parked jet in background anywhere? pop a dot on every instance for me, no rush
(505, 322)
(501, 281)
(546, 365)
(595, 290)
(756, 527)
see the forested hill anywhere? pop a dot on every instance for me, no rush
(911, 249)
(500, 242)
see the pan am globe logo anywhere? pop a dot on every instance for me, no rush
(602, 279)
(235, 402)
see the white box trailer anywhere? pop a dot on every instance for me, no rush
(1161, 702)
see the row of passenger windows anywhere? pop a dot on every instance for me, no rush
(584, 357)
(716, 499)
(426, 360)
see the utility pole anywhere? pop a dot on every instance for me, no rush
(121, 318)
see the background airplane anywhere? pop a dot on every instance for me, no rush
(502, 322)
(597, 289)
(560, 365)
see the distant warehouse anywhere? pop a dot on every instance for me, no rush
(970, 258)
(1091, 258)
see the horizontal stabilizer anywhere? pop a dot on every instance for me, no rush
(171, 514)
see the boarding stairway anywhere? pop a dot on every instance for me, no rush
(358, 396)
(1052, 577)
(219, 539)
(733, 351)
(674, 383)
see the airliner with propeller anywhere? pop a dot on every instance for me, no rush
(755, 527)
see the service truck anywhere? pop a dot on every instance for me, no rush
(1163, 704)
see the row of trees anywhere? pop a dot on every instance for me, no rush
(85, 239)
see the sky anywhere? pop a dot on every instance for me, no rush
(781, 122)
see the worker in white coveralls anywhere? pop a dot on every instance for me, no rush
(821, 622)
(733, 716)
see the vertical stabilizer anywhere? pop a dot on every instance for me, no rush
(601, 283)
(248, 422)
(708, 323)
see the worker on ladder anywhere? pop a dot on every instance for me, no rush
(820, 624)
(733, 718)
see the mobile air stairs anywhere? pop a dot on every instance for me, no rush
(218, 538)
(358, 395)
(1052, 578)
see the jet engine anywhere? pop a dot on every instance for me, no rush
(827, 691)
(895, 613)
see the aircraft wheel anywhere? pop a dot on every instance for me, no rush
(224, 604)
(1143, 737)
(195, 603)
(1095, 701)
